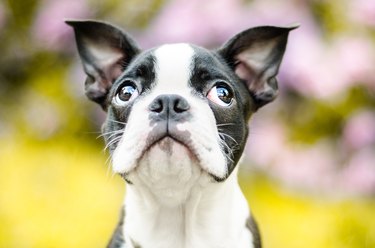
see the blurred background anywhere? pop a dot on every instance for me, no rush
(309, 172)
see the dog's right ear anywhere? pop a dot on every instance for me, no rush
(105, 51)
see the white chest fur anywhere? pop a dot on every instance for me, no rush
(213, 215)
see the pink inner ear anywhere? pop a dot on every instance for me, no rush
(111, 68)
(244, 72)
(114, 71)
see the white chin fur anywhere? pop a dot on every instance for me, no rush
(169, 169)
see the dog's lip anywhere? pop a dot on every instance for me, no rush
(176, 138)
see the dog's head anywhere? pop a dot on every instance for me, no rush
(178, 106)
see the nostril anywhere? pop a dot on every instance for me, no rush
(156, 106)
(180, 105)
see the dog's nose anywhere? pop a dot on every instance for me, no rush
(172, 107)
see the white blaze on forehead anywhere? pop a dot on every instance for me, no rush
(173, 68)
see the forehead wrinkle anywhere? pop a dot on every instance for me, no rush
(173, 67)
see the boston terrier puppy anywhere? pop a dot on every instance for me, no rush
(176, 127)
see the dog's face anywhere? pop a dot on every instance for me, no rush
(178, 110)
(180, 105)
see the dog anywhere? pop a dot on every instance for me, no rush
(176, 127)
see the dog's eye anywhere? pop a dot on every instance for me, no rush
(126, 93)
(221, 94)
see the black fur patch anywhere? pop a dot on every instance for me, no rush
(117, 240)
(208, 70)
(142, 73)
(253, 227)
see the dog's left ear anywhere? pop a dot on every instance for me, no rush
(255, 56)
(105, 51)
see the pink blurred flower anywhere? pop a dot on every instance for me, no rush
(356, 58)
(359, 176)
(49, 29)
(298, 166)
(319, 68)
(199, 22)
(315, 168)
(314, 68)
(308, 167)
(359, 131)
(322, 70)
(266, 142)
(278, 13)
(362, 11)
(212, 22)
(302, 68)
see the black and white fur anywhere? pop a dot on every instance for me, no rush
(176, 128)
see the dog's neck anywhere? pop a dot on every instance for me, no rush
(211, 215)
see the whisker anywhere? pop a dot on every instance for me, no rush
(230, 137)
(114, 135)
(109, 165)
(229, 155)
(111, 133)
(225, 124)
(113, 141)
(119, 122)
(120, 130)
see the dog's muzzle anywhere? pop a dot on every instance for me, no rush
(166, 112)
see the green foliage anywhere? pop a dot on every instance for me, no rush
(22, 13)
(331, 15)
(312, 119)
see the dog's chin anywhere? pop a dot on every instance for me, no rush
(169, 168)
(167, 157)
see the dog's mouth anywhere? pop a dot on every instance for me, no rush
(165, 142)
